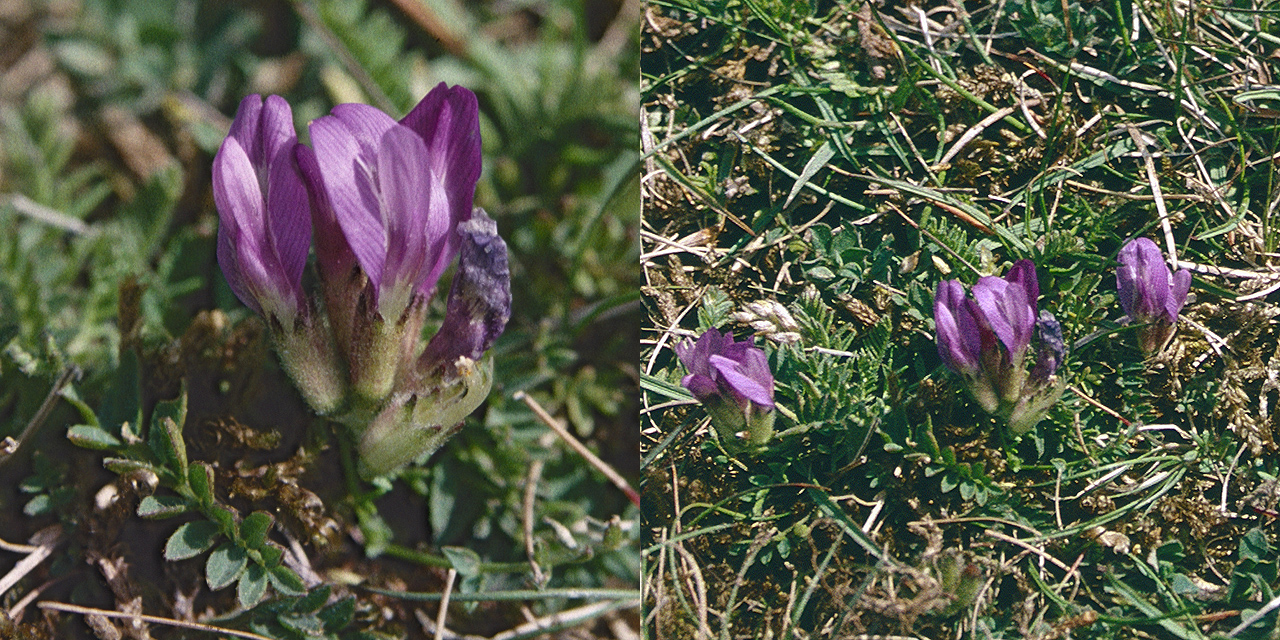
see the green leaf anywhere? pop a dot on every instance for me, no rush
(167, 443)
(175, 409)
(225, 565)
(167, 422)
(339, 614)
(271, 555)
(307, 625)
(71, 397)
(223, 516)
(91, 437)
(821, 273)
(38, 505)
(158, 507)
(253, 531)
(286, 581)
(200, 477)
(1254, 546)
(466, 561)
(819, 160)
(121, 466)
(312, 602)
(191, 540)
(252, 585)
(377, 533)
(658, 385)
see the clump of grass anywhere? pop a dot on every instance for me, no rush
(842, 159)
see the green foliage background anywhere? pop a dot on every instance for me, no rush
(114, 315)
(843, 158)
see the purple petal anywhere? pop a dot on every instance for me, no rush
(333, 254)
(265, 228)
(1004, 308)
(240, 210)
(289, 214)
(959, 342)
(1142, 279)
(755, 364)
(701, 386)
(367, 124)
(407, 193)
(346, 167)
(744, 387)
(245, 127)
(480, 297)
(696, 356)
(1023, 274)
(448, 121)
(1179, 286)
(276, 130)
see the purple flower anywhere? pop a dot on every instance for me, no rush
(396, 190)
(265, 222)
(986, 339)
(733, 380)
(391, 206)
(1149, 293)
(1001, 314)
(719, 366)
(263, 238)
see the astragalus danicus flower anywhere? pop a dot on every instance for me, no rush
(733, 381)
(1149, 293)
(987, 338)
(263, 238)
(391, 206)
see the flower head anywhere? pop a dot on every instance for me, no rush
(1149, 293)
(733, 380)
(397, 190)
(391, 204)
(265, 220)
(986, 340)
(263, 238)
(390, 198)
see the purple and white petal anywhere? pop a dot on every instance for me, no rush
(346, 165)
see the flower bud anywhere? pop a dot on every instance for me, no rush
(414, 425)
(479, 302)
(265, 221)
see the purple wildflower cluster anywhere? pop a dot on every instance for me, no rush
(732, 379)
(390, 203)
(987, 338)
(1003, 347)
